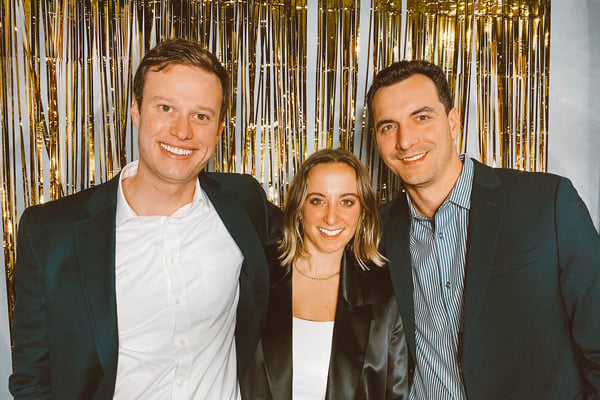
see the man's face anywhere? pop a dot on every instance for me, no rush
(414, 134)
(178, 124)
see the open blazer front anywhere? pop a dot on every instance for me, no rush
(368, 354)
(65, 319)
(531, 306)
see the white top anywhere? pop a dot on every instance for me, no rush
(177, 291)
(311, 351)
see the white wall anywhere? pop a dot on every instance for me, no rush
(5, 362)
(574, 108)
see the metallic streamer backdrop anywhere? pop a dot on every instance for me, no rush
(299, 74)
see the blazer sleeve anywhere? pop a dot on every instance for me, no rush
(31, 376)
(397, 382)
(273, 216)
(579, 263)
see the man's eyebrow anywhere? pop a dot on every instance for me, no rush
(422, 109)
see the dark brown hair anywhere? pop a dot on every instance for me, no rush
(402, 70)
(182, 52)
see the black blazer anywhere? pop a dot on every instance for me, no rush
(65, 318)
(368, 355)
(532, 287)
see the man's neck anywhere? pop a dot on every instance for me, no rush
(427, 199)
(156, 198)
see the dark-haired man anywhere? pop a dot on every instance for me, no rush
(153, 285)
(496, 271)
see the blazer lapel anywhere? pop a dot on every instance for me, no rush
(95, 250)
(277, 335)
(350, 335)
(254, 276)
(484, 228)
(395, 244)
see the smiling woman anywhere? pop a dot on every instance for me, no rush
(330, 298)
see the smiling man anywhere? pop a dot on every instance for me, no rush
(153, 285)
(496, 271)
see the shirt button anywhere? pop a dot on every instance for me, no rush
(180, 381)
(182, 342)
(177, 301)
(448, 285)
(171, 260)
(441, 235)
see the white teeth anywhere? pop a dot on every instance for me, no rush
(331, 233)
(413, 158)
(176, 150)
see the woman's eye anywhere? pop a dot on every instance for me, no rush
(347, 202)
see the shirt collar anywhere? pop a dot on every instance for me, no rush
(125, 212)
(461, 192)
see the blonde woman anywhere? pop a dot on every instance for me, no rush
(332, 329)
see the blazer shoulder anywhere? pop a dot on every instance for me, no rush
(70, 206)
(230, 179)
(372, 286)
(514, 179)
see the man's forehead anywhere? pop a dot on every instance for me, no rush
(414, 95)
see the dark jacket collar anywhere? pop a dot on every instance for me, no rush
(95, 251)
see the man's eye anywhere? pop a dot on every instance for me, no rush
(165, 108)
(201, 117)
(388, 128)
(421, 118)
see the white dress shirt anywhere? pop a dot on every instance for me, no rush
(177, 288)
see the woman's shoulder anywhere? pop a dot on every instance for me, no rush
(374, 283)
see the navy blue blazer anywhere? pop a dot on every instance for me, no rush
(532, 287)
(65, 317)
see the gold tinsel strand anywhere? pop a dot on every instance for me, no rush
(299, 75)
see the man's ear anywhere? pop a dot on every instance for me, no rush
(454, 122)
(135, 112)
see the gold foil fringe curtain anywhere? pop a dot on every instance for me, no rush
(299, 75)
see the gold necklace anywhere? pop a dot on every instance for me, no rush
(314, 278)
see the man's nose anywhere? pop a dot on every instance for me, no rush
(406, 138)
(181, 128)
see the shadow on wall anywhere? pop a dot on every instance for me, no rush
(594, 27)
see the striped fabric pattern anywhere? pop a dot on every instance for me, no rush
(438, 249)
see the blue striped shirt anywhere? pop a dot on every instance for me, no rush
(438, 249)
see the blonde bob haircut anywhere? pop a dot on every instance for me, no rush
(368, 233)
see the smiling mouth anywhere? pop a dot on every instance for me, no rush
(176, 150)
(330, 233)
(413, 158)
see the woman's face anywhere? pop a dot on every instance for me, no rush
(332, 208)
